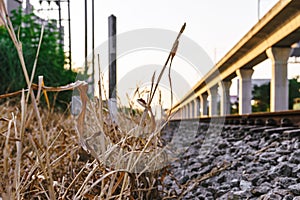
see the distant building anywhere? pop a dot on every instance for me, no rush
(10, 6)
(295, 52)
(234, 99)
(296, 105)
(28, 8)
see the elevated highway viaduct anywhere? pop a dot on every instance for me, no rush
(272, 37)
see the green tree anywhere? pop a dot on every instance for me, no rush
(261, 95)
(294, 90)
(51, 58)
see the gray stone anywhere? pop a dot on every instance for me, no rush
(282, 169)
(184, 179)
(295, 157)
(235, 182)
(268, 157)
(242, 194)
(205, 170)
(225, 187)
(222, 145)
(261, 189)
(254, 144)
(295, 189)
(286, 181)
(245, 185)
(272, 196)
(282, 192)
(261, 180)
(282, 158)
(288, 197)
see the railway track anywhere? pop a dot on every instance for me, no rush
(282, 118)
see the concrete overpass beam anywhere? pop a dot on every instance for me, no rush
(245, 93)
(213, 104)
(203, 98)
(225, 97)
(279, 82)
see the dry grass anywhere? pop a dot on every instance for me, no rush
(75, 173)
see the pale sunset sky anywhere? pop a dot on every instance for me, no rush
(214, 25)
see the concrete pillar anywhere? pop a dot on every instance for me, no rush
(225, 97)
(245, 90)
(180, 114)
(213, 104)
(183, 112)
(279, 93)
(203, 98)
(188, 111)
(192, 108)
(197, 107)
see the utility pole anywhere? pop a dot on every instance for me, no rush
(258, 9)
(70, 47)
(93, 46)
(112, 50)
(59, 22)
(85, 39)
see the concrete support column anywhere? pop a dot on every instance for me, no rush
(225, 97)
(245, 93)
(183, 112)
(197, 107)
(188, 111)
(203, 104)
(177, 114)
(192, 108)
(279, 93)
(213, 104)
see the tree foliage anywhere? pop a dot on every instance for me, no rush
(261, 94)
(294, 90)
(51, 58)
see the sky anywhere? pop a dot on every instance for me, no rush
(215, 26)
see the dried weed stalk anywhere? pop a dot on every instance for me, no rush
(127, 147)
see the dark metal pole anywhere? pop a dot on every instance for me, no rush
(27, 9)
(112, 48)
(85, 38)
(69, 24)
(59, 22)
(93, 45)
(258, 9)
